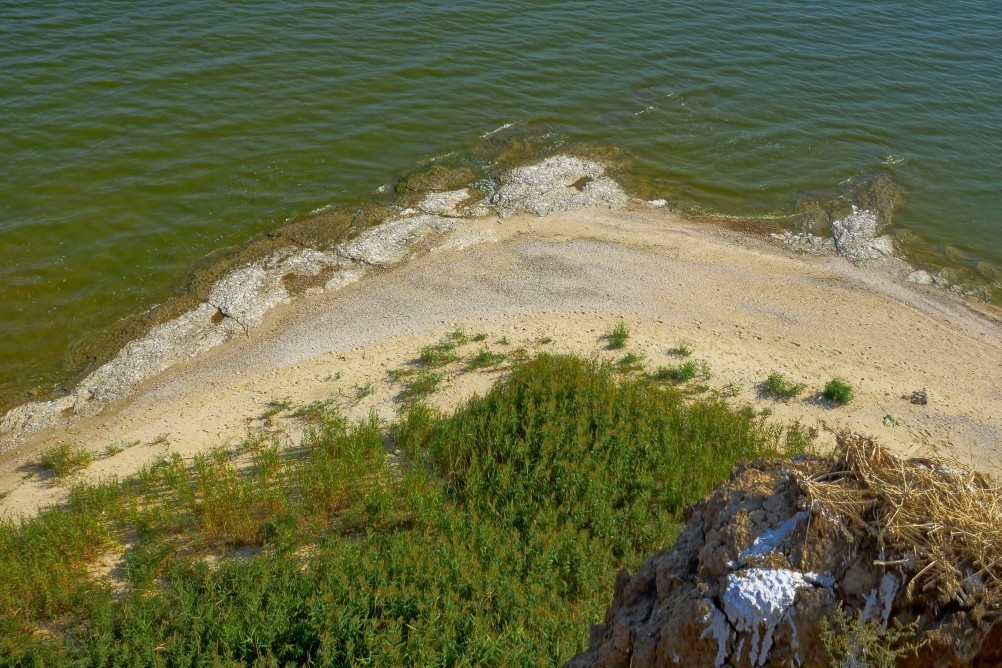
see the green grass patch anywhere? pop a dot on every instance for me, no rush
(781, 388)
(483, 359)
(680, 373)
(439, 354)
(494, 541)
(618, 336)
(317, 411)
(631, 362)
(64, 459)
(479, 337)
(838, 390)
(421, 385)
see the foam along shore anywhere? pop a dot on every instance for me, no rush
(558, 251)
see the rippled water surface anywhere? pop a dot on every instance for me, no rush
(137, 137)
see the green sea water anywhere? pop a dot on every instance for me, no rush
(137, 137)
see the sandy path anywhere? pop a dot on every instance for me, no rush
(746, 307)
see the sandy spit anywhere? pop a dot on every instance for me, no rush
(747, 307)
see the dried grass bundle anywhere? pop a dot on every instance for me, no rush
(940, 521)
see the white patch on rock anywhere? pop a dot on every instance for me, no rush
(717, 626)
(773, 538)
(757, 600)
(881, 600)
(391, 241)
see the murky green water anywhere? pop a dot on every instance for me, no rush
(137, 137)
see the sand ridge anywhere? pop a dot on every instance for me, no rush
(746, 307)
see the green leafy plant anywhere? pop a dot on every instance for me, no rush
(851, 640)
(484, 358)
(778, 386)
(839, 391)
(680, 373)
(422, 384)
(618, 336)
(438, 354)
(64, 459)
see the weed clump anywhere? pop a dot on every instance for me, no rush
(778, 386)
(438, 354)
(421, 385)
(484, 358)
(631, 362)
(65, 459)
(681, 373)
(618, 336)
(838, 390)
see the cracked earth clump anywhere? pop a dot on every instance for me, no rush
(783, 547)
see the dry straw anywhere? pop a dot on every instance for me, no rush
(941, 522)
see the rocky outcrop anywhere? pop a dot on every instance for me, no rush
(767, 560)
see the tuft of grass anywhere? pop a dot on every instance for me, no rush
(113, 449)
(65, 459)
(421, 385)
(838, 390)
(618, 336)
(438, 354)
(479, 336)
(681, 373)
(631, 362)
(731, 389)
(484, 358)
(274, 407)
(682, 348)
(544, 340)
(778, 386)
(504, 341)
(363, 391)
(400, 373)
(161, 439)
(459, 336)
(316, 411)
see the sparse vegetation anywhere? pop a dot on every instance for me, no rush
(422, 384)
(317, 411)
(484, 358)
(439, 354)
(479, 336)
(731, 389)
(459, 336)
(113, 449)
(399, 373)
(778, 386)
(839, 391)
(680, 373)
(161, 439)
(618, 336)
(544, 340)
(855, 641)
(363, 391)
(494, 545)
(274, 407)
(64, 459)
(682, 348)
(631, 362)
(504, 341)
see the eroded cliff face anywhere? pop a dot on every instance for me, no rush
(768, 558)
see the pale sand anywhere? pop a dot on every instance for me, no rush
(745, 306)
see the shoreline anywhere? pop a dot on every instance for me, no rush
(557, 207)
